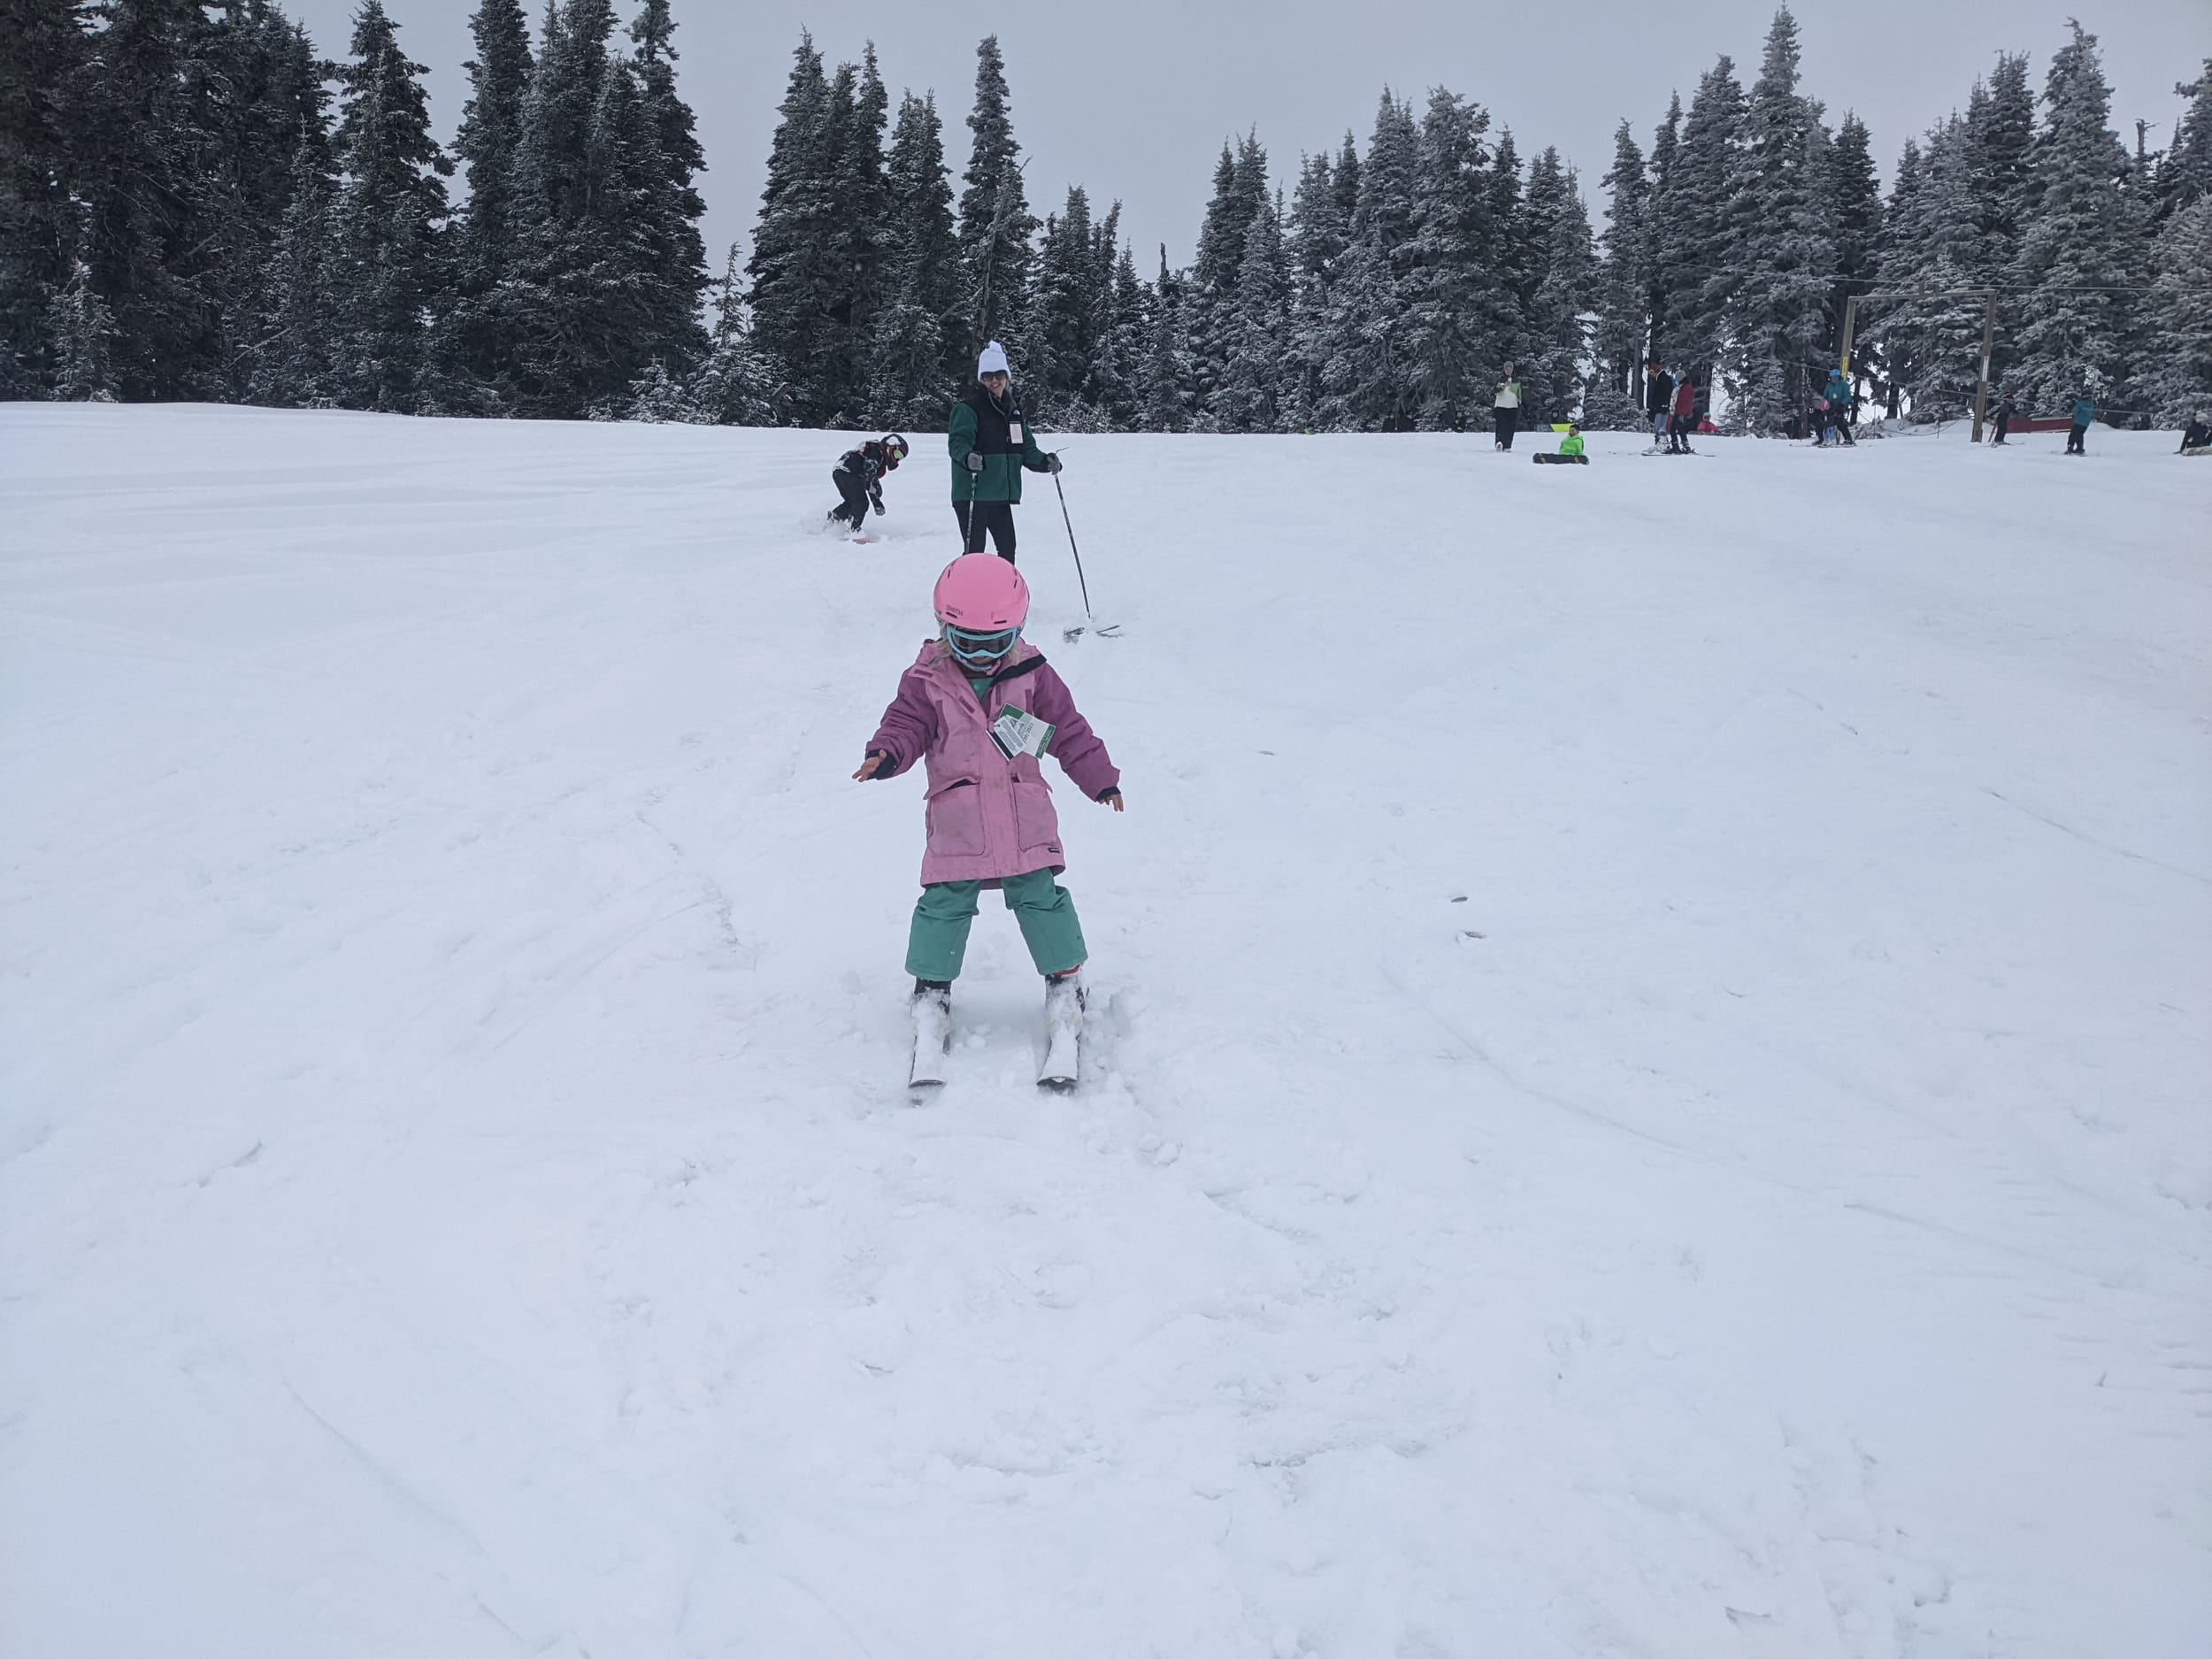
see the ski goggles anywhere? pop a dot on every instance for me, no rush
(978, 648)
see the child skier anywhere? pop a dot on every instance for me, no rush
(859, 476)
(977, 708)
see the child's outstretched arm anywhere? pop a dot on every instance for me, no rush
(907, 728)
(1080, 753)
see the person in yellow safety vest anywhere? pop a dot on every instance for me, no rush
(1570, 451)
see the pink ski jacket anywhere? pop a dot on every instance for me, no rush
(990, 817)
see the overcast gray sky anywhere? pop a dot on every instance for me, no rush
(1132, 98)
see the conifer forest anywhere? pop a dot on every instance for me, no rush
(195, 203)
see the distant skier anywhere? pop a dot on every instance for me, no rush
(1685, 419)
(977, 708)
(1658, 401)
(2196, 438)
(1570, 451)
(2085, 412)
(1505, 409)
(859, 478)
(1837, 394)
(990, 446)
(2004, 418)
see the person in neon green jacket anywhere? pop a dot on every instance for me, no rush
(1570, 451)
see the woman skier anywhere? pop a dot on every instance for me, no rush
(859, 476)
(991, 446)
(977, 708)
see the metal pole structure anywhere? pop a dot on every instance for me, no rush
(1989, 341)
(1850, 327)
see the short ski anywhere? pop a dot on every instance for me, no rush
(1063, 1068)
(932, 1040)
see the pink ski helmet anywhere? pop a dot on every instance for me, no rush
(981, 592)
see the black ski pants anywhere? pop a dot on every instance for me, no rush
(1679, 434)
(854, 509)
(977, 517)
(1507, 420)
(2003, 423)
(2074, 445)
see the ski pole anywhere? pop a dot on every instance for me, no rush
(1064, 520)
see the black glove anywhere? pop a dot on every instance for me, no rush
(876, 496)
(974, 462)
(1052, 463)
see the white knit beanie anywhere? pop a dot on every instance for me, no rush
(993, 361)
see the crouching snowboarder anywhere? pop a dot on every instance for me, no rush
(2196, 438)
(978, 709)
(1570, 451)
(859, 478)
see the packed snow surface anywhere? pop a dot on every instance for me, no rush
(1649, 1099)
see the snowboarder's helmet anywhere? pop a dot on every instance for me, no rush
(981, 592)
(891, 441)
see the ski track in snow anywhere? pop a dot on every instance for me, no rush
(1649, 1090)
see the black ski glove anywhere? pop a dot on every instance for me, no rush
(1052, 463)
(974, 462)
(878, 498)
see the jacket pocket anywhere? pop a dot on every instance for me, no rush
(1036, 824)
(955, 817)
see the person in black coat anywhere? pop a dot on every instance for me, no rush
(859, 476)
(1658, 400)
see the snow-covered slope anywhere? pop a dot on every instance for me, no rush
(1654, 1043)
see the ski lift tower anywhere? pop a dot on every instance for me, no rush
(1989, 334)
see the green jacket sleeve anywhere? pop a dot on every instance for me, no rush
(959, 439)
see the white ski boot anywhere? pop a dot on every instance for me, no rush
(932, 1036)
(1063, 1033)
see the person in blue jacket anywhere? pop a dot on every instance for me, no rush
(2085, 412)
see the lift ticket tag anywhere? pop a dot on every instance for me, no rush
(1017, 732)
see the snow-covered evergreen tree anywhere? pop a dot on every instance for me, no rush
(733, 386)
(1555, 354)
(1367, 381)
(996, 223)
(391, 201)
(2084, 245)
(39, 228)
(1249, 395)
(1067, 314)
(1167, 367)
(83, 333)
(1452, 266)
(1698, 246)
(665, 253)
(1624, 292)
(794, 279)
(1319, 229)
(141, 147)
(1212, 312)
(1782, 261)
(859, 254)
(2176, 370)
(479, 333)
(1855, 200)
(2184, 172)
(291, 362)
(914, 350)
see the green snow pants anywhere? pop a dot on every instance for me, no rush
(939, 938)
